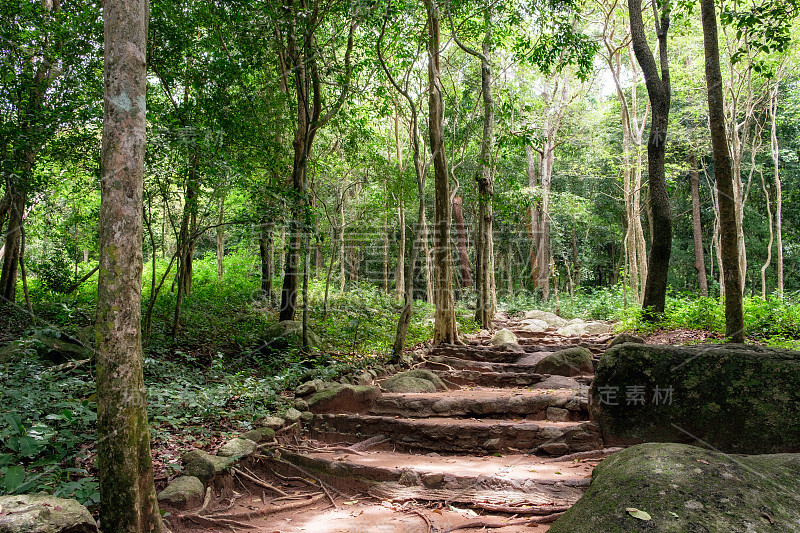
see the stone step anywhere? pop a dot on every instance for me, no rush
(477, 378)
(558, 405)
(522, 481)
(460, 435)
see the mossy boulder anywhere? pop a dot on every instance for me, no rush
(237, 447)
(184, 492)
(42, 513)
(622, 338)
(205, 466)
(284, 334)
(47, 344)
(567, 362)
(344, 399)
(552, 320)
(685, 488)
(736, 398)
(259, 434)
(416, 380)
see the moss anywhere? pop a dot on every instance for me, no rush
(739, 399)
(685, 488)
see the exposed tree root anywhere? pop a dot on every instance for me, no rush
(260, 482)
(584, 455)
(527, 510)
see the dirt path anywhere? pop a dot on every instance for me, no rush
(497, 450)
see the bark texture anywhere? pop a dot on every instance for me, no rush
(658, 89)
(729, 244)
(697, 228)
(127, 494)
(445, 328)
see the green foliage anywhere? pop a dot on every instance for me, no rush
(53, 268)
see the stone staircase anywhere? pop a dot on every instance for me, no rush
(503, 439)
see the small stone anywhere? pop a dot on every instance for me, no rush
(512, 347)
(491, 444)
(203, 465)
(272, 422)
(184, 492)
(300, 404)
(556, 414)
(291, 415)
(365, 378)
(310, 387)
(307, 416)
(237, 447)
(259, 434)
(34, 513)
(554, 448)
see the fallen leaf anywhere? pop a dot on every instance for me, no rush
(703, 461)
(636, 513)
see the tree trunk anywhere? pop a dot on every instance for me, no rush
(773, 112)
(461, 242)
(265, 250)
(697, 228)
(766, 264)
(734, 315)
(221, 239)
(445, 329)
(658, 89)
(400, 281)
(13, 241)
(127, 494)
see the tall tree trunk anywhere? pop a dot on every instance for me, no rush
(774, 151)
(697, 228)
(265, 250)
(221, 239)
(400, 280)
(658, 89)
(13, 240)
(734, 315)
(766, 264)
(461, 241)
(445, 329)
(127, 494)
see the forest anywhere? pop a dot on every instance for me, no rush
(205, 205)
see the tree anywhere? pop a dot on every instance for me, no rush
(697, 228)
(734, 314)
(658, 88)
(127, 494)
(445, 329)
(303, 50)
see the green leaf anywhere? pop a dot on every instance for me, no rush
(14, 477)
(636, 513)
(15, 422)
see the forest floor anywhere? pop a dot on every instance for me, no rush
(504, 448)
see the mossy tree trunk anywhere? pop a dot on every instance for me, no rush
(127, 495)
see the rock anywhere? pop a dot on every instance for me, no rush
(300, 404)
(574, 321)
(344, 399)
(292, 415)
(307, 416)
(572, 330)
(184, 492)
(259, 434)
(512, 347)
(365, 378)
(410, 381)
(552, 320)
(736, 398)
(272, 422)
(567, 362)
(48, 344)
(310, 387)
(557, 414)
(685, 488)
(534, 325)
(503, 336)
(596, 328)
(622, 338)
(284, 334)
(41, 513)
(204, 466)
(237, 447)
(554, 448)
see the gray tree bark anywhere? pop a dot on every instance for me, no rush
(127, 495)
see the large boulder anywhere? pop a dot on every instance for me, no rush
(41, 513)
(572, 330)
(534, 325)
(567, 362)
(736, 398)
(684, 488)
(48, 344)
(237, 447)
(343, 398)
(622, 338)
(597, 328)
(184, 492)
(205, 466)
(416, 380)
(552, 320)
(285, 334)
